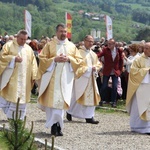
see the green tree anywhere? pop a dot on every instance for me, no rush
(49, 31)
(17, 137)
(37, 32)
(143, 34)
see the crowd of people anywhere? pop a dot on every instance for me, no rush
(121, 58)
(74, 78)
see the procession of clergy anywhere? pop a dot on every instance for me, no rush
(67, 79)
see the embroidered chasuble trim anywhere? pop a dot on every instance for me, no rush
(21, 87)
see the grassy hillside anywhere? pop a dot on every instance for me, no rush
(47, 17)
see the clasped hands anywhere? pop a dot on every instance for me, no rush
(61, 58)
(18, 59)
(93, 68)
(95, 72)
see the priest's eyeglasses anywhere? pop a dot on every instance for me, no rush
(90, 41)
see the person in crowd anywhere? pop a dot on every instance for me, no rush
(6, 38)
(47, 39)
(11, 37)
(41, 44)
(124, 44)
(96, 48)
(18, 69)
(138, 95)
(109, 90)
(119, 44)
(126, 51)
(124, 82)
(102, 40)
(59, 61)
(1, 37)
(141, 47)
(34, 45)
(1, 45)
(80, 44)
(133, 49)
(86, 95)
(113, 65)
(125, 73)
(130, 53)
(15, 35)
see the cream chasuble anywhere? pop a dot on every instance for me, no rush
(86, 87)
(20, 82)
(21, 87)
(140, 85)
(143, 95)
(89, 91)
(58, 92)
(58, 95)
(62, 91)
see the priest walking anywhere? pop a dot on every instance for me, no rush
(18, 69)
(138, 95)
(59, 60)
(85, 94)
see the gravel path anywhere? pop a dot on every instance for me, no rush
(112, 133)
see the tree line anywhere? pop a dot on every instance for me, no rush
(47, 13)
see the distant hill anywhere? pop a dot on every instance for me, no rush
(129, 16)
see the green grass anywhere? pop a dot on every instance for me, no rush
(121, 104)
(102, 110)
(106, 108)
(33, 98)
(135, 6)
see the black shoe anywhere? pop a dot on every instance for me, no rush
(114, 105)
(54, 130)
(110, 103)
(92, 121)
(100, 103)
(59, 133)
(69, 117)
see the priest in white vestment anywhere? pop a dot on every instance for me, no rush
(59, 60)
(138, 93)
(85, 94)
(18, 70)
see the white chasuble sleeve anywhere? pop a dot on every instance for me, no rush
(80, 86)
(143, 100)
(5, 77)
(82, 83)
(88, 72)
(46, 78)
(146, 78)
(51, 67)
